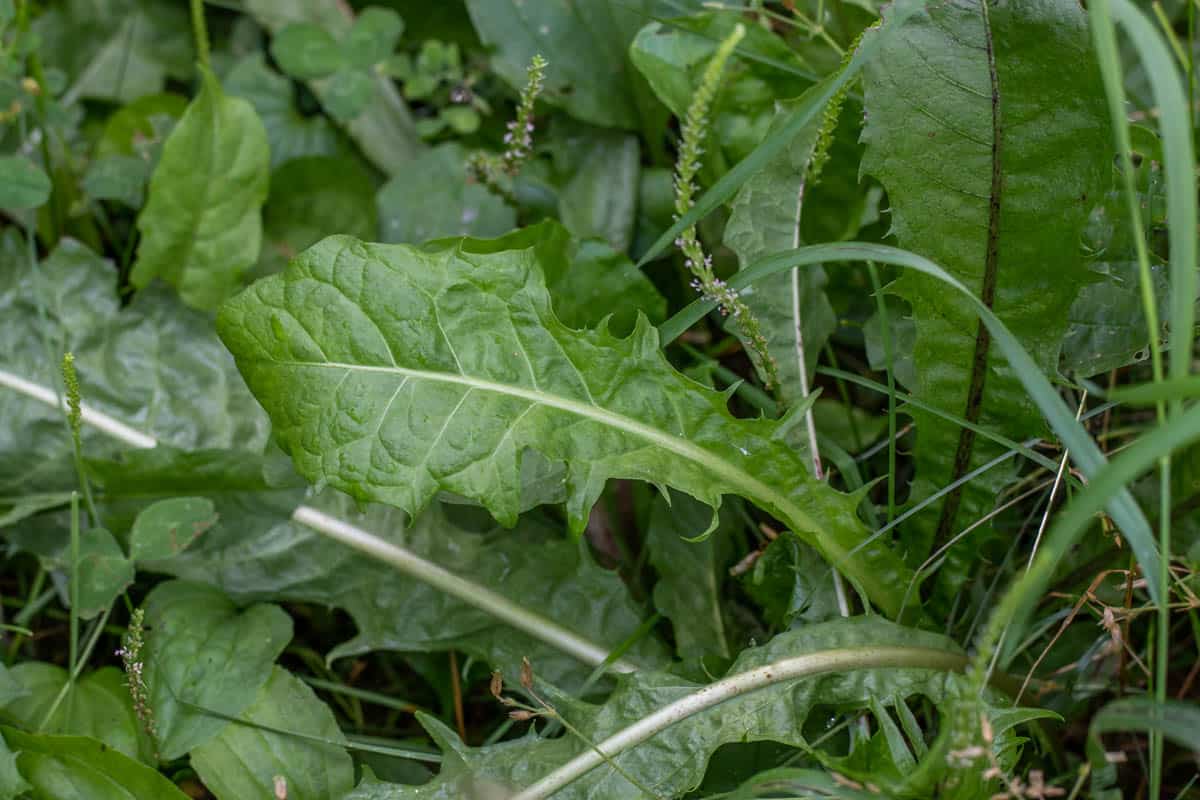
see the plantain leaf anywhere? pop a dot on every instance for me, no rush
(201, 227)
(203, 656)
(674, 761)
(82, 768)
(992, 157)
(98, 705)
(394, 373)
(765, 219)
(169, 526)
(249, 756)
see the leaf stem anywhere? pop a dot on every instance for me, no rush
(200, 31)
(788, 669)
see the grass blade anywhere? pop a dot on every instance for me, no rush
(1086, 455)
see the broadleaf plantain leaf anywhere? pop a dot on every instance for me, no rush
(247, 760)
(992, 156)
(393, 373)
(201, 227)
(202, 655)
(82, 768)
(98, 705)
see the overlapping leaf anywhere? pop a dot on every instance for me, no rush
(394, 373)
(792, 307)
(673, 761)
(992, 156)
(153, 365)
(255, 552)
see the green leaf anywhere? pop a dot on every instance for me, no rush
(117, 177)
(133, 128)
(104, 571)
(393, 396)
(671, 56)
(691, 576)
(600, 198)
(255, 552)
(166, 528)
(674, 761)
(306, 51)
(245, 759)
(574, 37)
(1107, 320)
(23, 184)
(347, 93)
(201, 227)
(154, 365)
(290, 134)
(589, 282)
(462, 119)
(971, 164)
(791, 584)
(311, 198)
(12, 785)
(372, 37)
(203, 656)
(116, 51)
(25, 506)
(81, 768)
(792, 307)
(1084, 452)
(98, 706)
(384, 131)
(433, 199)
(1178, 721)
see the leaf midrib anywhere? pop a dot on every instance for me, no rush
(752, 487)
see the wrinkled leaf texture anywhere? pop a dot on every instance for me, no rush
(992, 155)
(393, 373)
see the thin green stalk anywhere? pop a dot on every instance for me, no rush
(75, 421)
(403, 706)
(1181, 218)
(200, 31)
(98, 627)
(35, 601)
(886, 334)
(73, 645)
